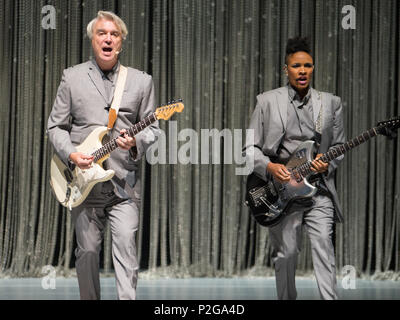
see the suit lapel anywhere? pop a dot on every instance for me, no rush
(283, 100)
(94, 75)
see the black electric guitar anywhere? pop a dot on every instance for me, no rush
(268, 200)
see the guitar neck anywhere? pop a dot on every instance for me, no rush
(336, 152)
(132, 131)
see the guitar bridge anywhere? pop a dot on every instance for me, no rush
(260, 201)
(265, 195)
(256, 194)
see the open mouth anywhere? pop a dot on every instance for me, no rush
(107, 49)
(302, 80)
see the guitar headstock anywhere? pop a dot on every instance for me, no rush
(388, 128)
(166, 112)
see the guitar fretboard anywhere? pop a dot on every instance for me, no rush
(132, 131)
(305, 169)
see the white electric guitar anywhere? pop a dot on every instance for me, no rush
(71, 187)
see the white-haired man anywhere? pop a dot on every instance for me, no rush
(82, 103)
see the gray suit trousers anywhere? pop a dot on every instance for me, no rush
(90, 221)
(286, 241)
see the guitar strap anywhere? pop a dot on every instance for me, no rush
(119, 90)
(318, 124)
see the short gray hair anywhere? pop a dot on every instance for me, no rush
(108, 15)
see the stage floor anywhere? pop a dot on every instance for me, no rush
(193, 289)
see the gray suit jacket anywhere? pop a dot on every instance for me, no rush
(80, 107)
(269, 121)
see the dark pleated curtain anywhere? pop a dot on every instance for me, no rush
(217, 56)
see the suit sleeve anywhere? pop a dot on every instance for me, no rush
(58, 125)
(255, 142)
(338, 133)
(146, 137)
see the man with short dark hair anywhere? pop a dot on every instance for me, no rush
(83, 101)
(282, 120)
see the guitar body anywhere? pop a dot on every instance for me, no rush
(72, 187)
(269, 200)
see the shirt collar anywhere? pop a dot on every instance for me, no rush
(110, 74)
(293, 95)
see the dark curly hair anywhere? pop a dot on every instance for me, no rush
(297, 44)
